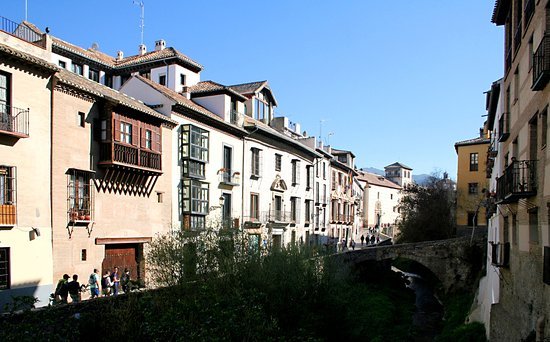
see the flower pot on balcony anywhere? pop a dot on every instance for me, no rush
(73, 215)
(87, 218)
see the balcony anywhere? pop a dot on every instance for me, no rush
(252, 221)
(236, 118)
(541, 64)
(277, 216)
(22, 32)
(518, 181)
(229, 178)
(114, 153)
(14, 121)
(8, 215)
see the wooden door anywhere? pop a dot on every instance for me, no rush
(122, 256)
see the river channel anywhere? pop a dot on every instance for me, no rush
(428, 316)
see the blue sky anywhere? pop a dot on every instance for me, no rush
(392, 80)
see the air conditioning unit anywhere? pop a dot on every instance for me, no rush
(500, 254)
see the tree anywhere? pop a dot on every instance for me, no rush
(427, 212)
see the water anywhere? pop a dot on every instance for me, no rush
(428, 316)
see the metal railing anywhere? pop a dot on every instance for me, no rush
(21, 31)
(277, 215)
(229, 177)
(518, 181)
(236, 118)
(14, 120)
(541, 64)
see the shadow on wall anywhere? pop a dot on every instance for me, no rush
(42, 292)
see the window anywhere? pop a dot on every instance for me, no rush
(474, 162)
(472, 188)
(4, 268)
(333, 185)
(317, 194)
(63, 64)
(83, 255)
(307, 209)
(254, 206)
(81, 119)
(531, 52)
(533, 226)
(5, 81)
(103, 130)
(7, 195)
(195, 197)
(109, 81)
(295, 209)
(93, 75)
(343, 159)
(261, 110)
(544, 128)
(227, 162)
(516, 85)
(514, 230)
(182, 79)
(295, 172)
(324, 198)
(195, 143)
(533, 137)
(148, 138)
(324, 171)
(278, 158)
(472, 219)
(77, 68)
(125, 132)
(506, 230)
(309, 177)
(162, 80)
(80, 195)
(255, 162)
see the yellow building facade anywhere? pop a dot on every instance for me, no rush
(472, 182)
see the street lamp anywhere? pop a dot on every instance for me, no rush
(221, 202)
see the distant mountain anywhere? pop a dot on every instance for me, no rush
(421, 179)
(373, 170)
(418, 179)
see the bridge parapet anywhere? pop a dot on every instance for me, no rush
(454, 262)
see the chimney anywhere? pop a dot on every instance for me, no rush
(119, 55)
(142, 49)
(160, 45)
(481, 133)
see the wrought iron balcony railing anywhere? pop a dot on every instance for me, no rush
(518, 181)
(14, 121)
(277, 216)
(229, 177)
(541, 64)
(21, 31)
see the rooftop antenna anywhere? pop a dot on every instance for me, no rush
(321, 128)
(142, 17)
(328, 138)
(26, 7)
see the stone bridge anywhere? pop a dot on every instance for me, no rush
(455, 262)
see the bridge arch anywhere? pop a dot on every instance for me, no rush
(455, 262)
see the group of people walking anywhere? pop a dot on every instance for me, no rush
(109, 284)
(370, 238)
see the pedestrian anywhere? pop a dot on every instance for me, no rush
(372, 239)
(378, 239)
(352, 245)
(125, 281)
(74, 289)
(61, 290)
(115, 279)
(106, 284)
(362, 239)
(93, 282)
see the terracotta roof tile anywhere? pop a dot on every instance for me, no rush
(180, 99)
(27, 57)
(99, 90)
(205, 87)
(374, 179)
(156, 55)
(249, 88)
(94, 55)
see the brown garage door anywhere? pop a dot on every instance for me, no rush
(122, 256)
